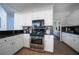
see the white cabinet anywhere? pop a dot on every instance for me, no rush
(48, 20)
(27, 40)
(27, 19)
(3, 25)
(6, 20)
(49, 43)
(10, 21)
(71, 39)
(19, 42)
(3, 18)
(76, 44)
(6, 47)
(2, 50)
(18, 21)
(11, 45)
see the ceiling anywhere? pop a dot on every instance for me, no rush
(58, 7)
(19, 7)
(62, 7)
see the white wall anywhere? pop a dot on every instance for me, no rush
(69, 18)
(67, 14)
(62, 17)
(45, 13)
(73, 19)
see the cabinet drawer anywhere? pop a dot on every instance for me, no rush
(49, 37)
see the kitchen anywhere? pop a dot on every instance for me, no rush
(15, 28)
(31, 26)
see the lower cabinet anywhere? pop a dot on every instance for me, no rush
(3, 50)
(11, 44)
(6, 48)
(72, 40)
(27, 40)
(49, 43)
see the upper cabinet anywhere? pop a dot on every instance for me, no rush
(27, 19)
(47, 15)
(10, 21)
(3, 17)
(6, 20)
(22, 19)
(18, 21)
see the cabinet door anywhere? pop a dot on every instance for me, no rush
(75, 44)
(15, 44)
(67, 38)
(18, 44)
(6, 49)
(10, 45)
(49, 43)
(3, 24)
(10, 22)
(72, 40)
(2, 50)
(2, 19)
(18, 21)
(9, 48)
(27, 40)
(28, 21)
(21, 39)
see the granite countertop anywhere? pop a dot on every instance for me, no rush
(71, 33)
(4, 34)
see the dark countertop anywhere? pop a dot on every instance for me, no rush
(4, 34)
(71, 29)
(71, 33)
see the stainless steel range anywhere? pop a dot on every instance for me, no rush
(37, 34)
